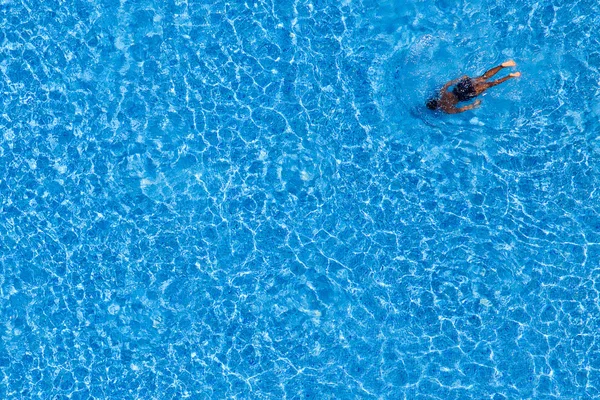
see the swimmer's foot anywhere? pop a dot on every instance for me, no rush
(509, 63)
(515, 74)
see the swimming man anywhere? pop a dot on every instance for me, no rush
(466, 89)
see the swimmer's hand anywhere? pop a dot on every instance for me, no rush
(515, 74)
(477, 104)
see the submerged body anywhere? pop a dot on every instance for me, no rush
(466, 88)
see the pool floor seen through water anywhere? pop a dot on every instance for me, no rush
(250, 200)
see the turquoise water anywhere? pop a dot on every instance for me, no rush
(249, 200)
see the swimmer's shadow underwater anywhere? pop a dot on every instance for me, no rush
(465, 89)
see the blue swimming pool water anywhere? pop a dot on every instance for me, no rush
(248, 200)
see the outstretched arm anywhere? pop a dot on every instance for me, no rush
(455, 110)
(448, 84)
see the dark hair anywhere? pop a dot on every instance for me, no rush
(432, 104)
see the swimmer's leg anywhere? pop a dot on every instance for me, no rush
(486, 85)
(495, 70)
(491, 72)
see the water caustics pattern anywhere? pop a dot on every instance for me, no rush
(248, 200)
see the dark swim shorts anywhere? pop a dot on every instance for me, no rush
(465, 90)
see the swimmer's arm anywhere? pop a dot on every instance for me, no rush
(452, 82)
(455, 110)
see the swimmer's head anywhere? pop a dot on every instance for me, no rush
(432, 104)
